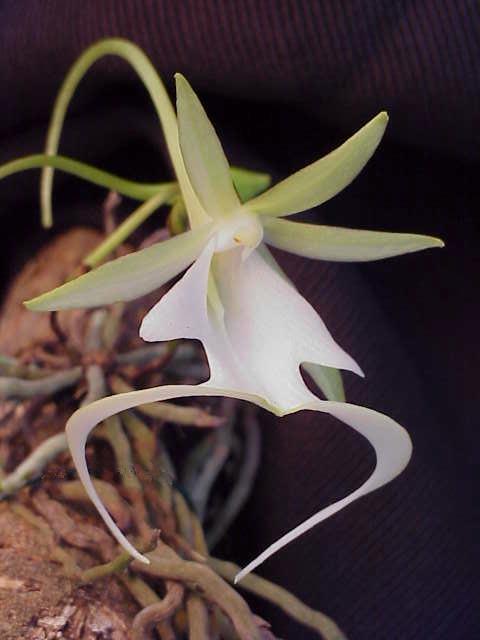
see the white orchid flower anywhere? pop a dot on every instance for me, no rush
(254, 325)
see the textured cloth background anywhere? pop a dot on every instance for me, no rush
(285, 81)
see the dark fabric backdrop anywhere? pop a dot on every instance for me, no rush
(284, 81)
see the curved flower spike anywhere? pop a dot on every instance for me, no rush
(147, 73)
(256, 328)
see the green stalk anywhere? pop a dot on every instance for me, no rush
(144, 68)
(129, 225)
(136, 190)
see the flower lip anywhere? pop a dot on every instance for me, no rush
(242, 228)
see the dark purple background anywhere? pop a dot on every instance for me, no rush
(285, 81)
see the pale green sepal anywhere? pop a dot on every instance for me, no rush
(344, 245)
(249, 183)
(127, 277)
(202, 152)
(323, 179)
(328, 379)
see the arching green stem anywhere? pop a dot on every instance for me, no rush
(141, 64)
(137, 190)
(129, 225)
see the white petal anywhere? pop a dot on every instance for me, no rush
(323, 179)
(85, 419)
(182, 312)
(128, 277)
(204, 158)
(267, 255)
(328, 379)
(270, 329)
(338, 244)
(393, 449)
(256, 328)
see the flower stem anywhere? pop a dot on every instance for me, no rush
(130, 224)
(136, 190)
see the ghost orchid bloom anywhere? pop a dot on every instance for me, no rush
(254, 325)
